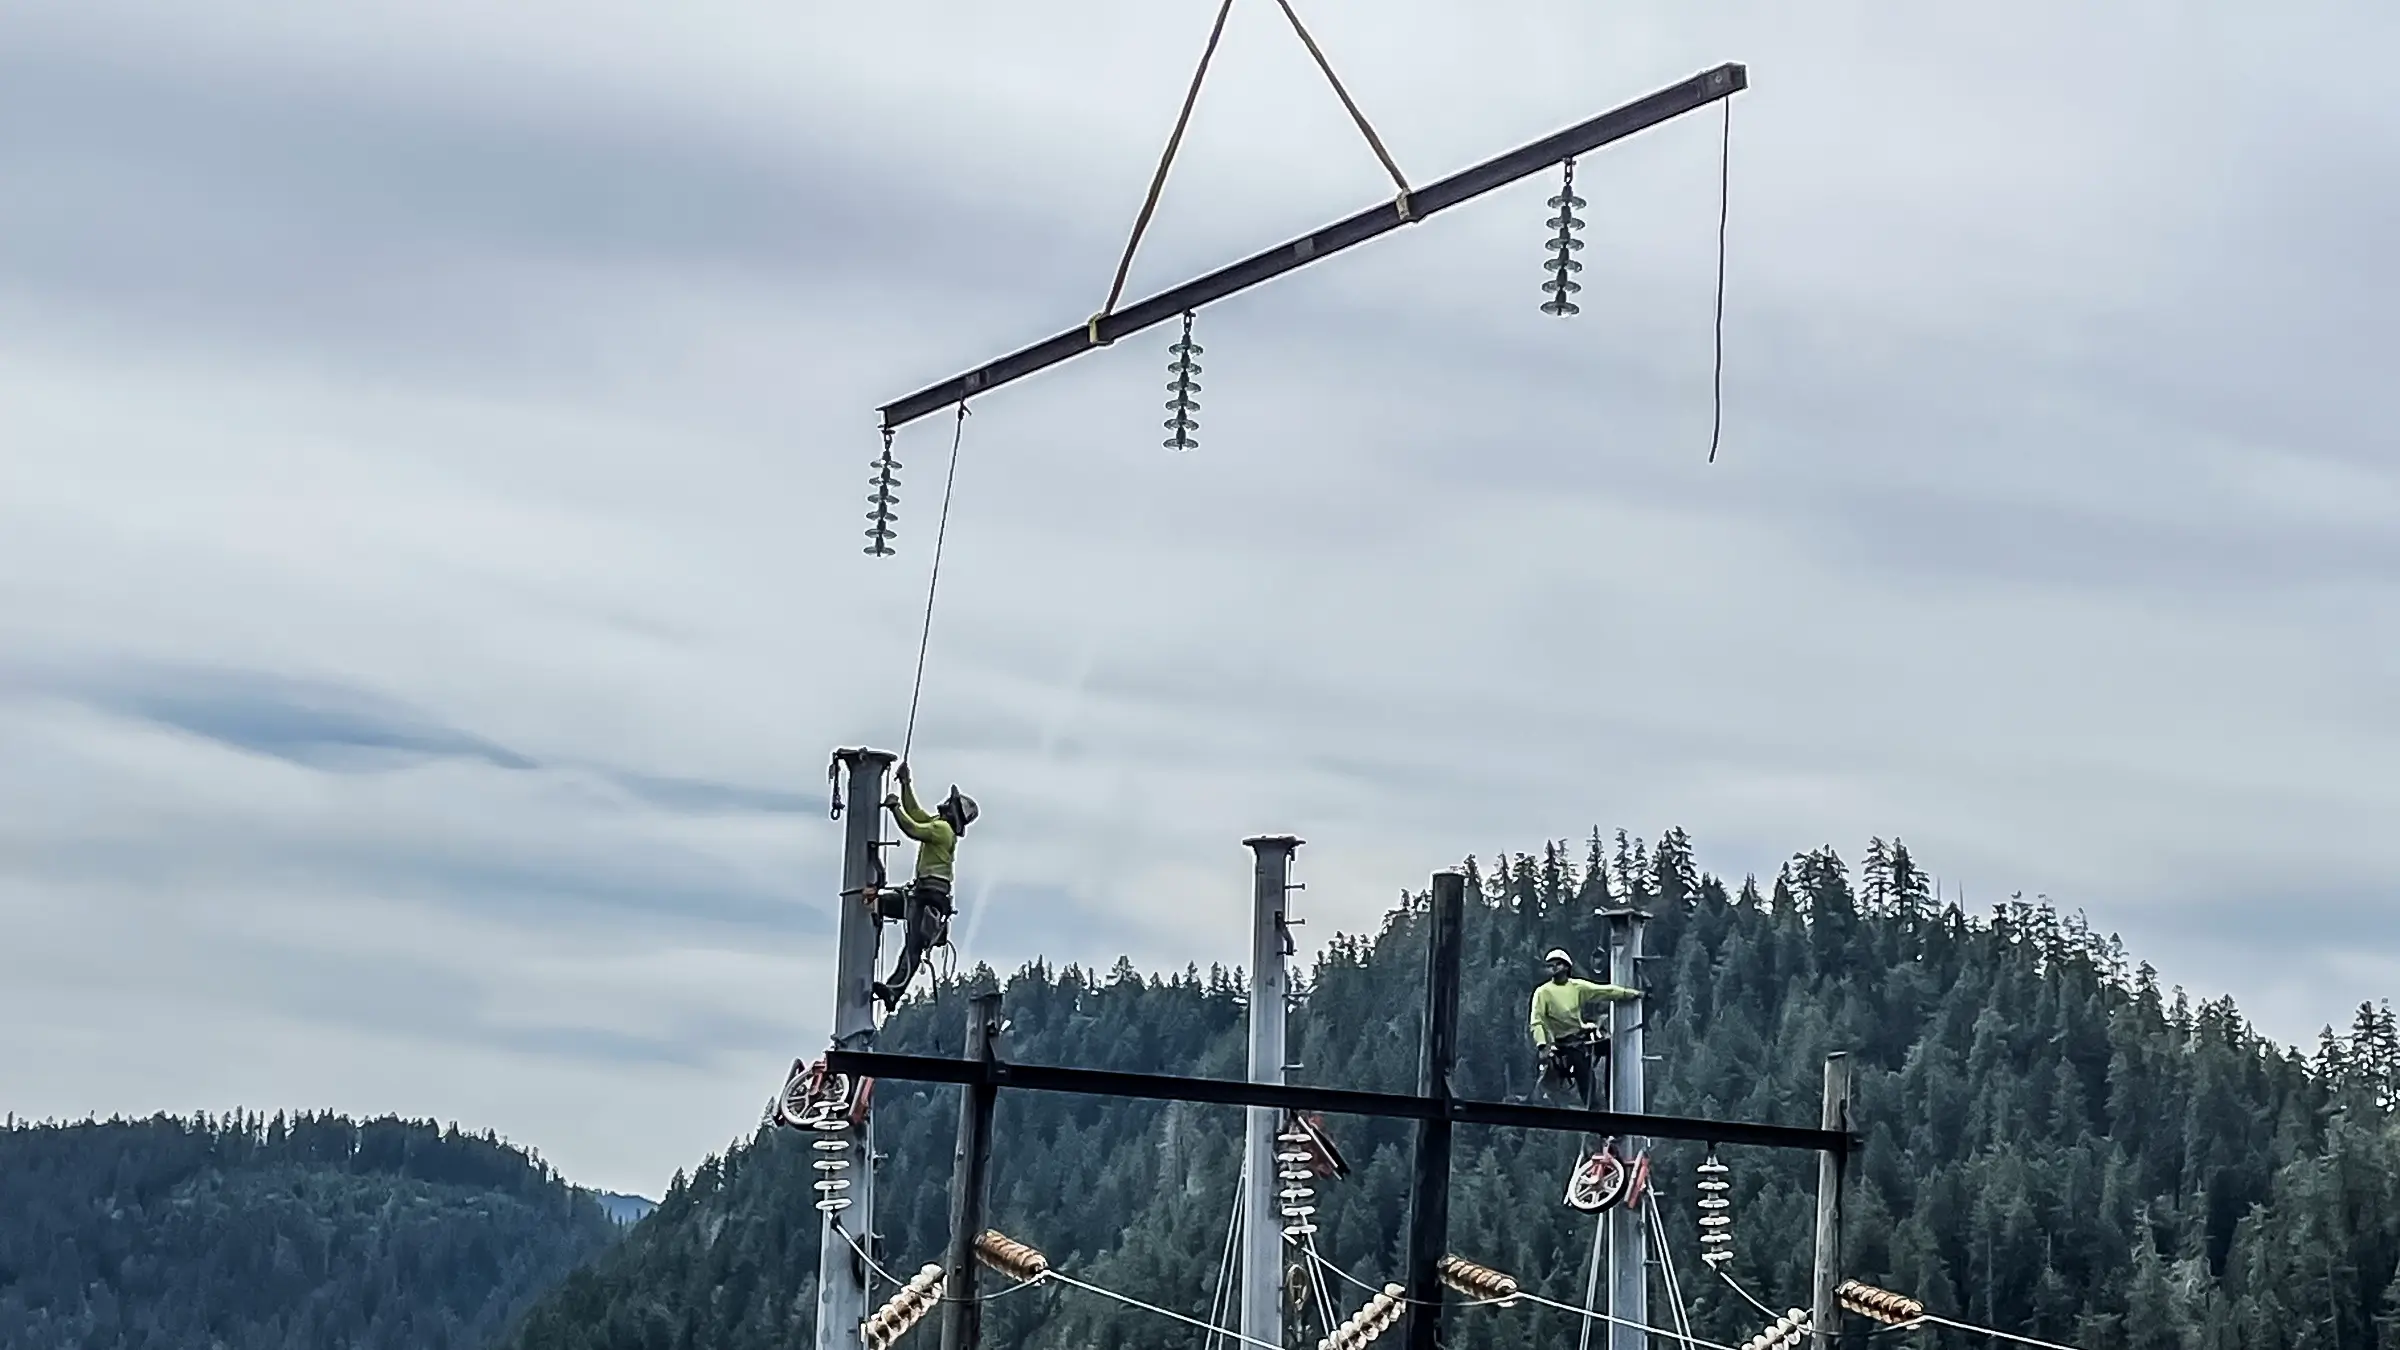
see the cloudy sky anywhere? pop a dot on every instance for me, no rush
(434, 435)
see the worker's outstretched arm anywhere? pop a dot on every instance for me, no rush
(1610, 993)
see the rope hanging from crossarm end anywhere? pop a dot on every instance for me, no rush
(1716, 430)
(932, 584)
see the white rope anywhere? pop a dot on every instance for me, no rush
(1316, 1280)
(896, 1281)
(1132, 1302)
(1221, 1299)
(1931, 1319)
(1666, 1267)
(1746, 1294)
(1591, 1282)
(1328, 1265)
(1619, 1321)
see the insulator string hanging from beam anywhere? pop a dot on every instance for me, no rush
(1563, 247)
(1181, 385)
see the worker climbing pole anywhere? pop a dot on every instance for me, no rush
(925, 905)
(1571, 1057)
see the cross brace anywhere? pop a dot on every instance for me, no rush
(1337, 1101)
(1467, 184)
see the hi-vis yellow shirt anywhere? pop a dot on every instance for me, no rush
(1558, 1008)
(937, 843)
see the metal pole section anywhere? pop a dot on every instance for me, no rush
(1270, 993)
(841, 1274)
(1429, 1198)
(1825, 1310)
(962, 1314)
(1628, 1239)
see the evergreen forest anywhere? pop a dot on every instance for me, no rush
(2054, 1144)
(305, 1232)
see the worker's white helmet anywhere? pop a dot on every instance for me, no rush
(964, 805)
(1558, 954)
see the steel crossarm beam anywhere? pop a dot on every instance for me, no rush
(1334, 1101)
(1467, 184)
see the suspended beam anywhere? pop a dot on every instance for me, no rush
(1334, 1101)
(1640, 115)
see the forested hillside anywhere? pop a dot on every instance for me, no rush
(2055, 1145)
(296, 1233)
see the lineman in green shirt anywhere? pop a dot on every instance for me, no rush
(1562, 1042)
(928, 907)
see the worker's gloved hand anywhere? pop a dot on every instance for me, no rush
(904, 771)
(891, 801)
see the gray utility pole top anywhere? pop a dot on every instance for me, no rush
(1628, 1094)
(841, 1274)
(1270, 999)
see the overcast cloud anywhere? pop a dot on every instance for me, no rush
(433, 444)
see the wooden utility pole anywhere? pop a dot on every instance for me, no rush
(1825, 1309)
(1429, 1199)
(962, 1312)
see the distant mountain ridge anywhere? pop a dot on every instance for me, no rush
(625, 1209)
(286, 1233)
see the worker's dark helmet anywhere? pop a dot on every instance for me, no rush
(961, 808)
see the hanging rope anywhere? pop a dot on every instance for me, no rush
(1591, 1316)
(1220, 1303)
(1678, 1303)
(1374, 142)
(1158, 181)
(1930, 1319)
(1130, 1301)
(925, 638)
(1716, 428)
(1591, 1282)
(1749, 1297)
